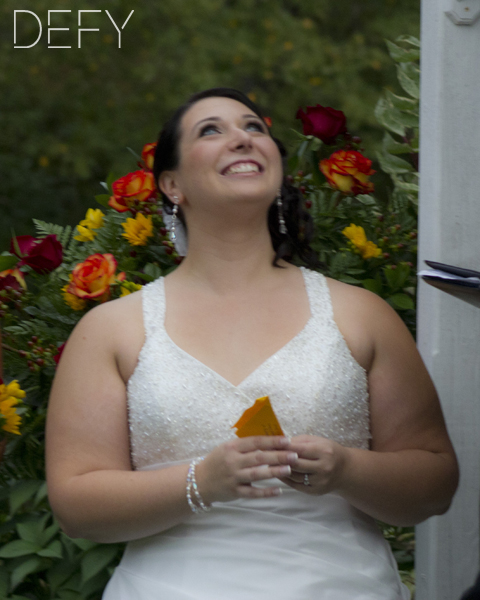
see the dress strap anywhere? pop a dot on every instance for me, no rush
(318, 295)
(153, 304)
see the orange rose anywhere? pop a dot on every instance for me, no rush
(148, 155)
(348, 171)
(92, 278)
(135, 187)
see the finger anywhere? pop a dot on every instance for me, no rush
(308, 451)
(263, 472)
(262, 457)
(303, 466)
(262, 442)
(300, 487)
(305, 439)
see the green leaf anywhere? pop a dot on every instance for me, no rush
(396, 278)
(18, 548)
(409, 39)
(97, 559)
(135, 154)
(409, 80)
(407, 187)
(402, 103)
(70, 595)
(41, 494)
(31, 531)
(301, 150)
(49, 532)
(103, 199)
(110, 179)
(32, 565)
(366, 199)
(391, 146)
(21, 492)
(60, 571)
(153, 270)
(348, 279)
(4, 581)
(53, 550)
(84, 545)
(402, 54)
(401, 302)
(372, 285)
(8, 261)
(387, 116)
(393, 164)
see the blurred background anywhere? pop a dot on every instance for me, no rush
(68, 115)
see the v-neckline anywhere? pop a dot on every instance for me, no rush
(262, 364)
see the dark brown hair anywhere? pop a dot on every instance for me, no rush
(299, 223)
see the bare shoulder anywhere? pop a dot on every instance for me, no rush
(364, 319)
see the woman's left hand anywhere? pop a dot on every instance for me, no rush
(320, 465)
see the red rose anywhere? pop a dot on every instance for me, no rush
(148, 155)
(137, 186)
(322, 122)
(42, 255)
(348, 171)
(12, 278)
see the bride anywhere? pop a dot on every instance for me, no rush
(139, 440)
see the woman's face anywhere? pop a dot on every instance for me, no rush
(226, 154)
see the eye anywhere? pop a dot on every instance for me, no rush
(256, 125)
(208, 129)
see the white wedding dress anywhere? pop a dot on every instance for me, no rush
(290, 547)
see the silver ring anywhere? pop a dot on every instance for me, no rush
(306, 480)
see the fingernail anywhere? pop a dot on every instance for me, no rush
(292, 456)
(277, 491)
(286, 470)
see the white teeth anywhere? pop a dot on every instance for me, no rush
(243, 168)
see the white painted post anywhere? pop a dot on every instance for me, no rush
(448, 550)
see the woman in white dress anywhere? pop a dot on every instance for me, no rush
(152, 381)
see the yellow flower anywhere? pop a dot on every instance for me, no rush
(72, 300)
(93, 220)
(12, 389)
(10, 395)
(128, 287)
(356, 235)
(138, 230)
(84, 234)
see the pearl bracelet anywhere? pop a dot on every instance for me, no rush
(192, 485)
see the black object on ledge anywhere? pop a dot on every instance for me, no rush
(456, 281)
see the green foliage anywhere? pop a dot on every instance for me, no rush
(37, 560)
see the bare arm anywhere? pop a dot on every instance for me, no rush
(93, 490)
(411, 472)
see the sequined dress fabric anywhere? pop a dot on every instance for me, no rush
(290, 547)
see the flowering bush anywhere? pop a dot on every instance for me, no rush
(49, 282)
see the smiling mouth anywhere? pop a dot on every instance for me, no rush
(243, 167)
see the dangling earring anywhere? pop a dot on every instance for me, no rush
(281, 221)
(173, 234)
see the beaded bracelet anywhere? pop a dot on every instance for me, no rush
(192, 485)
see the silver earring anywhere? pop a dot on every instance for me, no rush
(173, 234)
(281, 221)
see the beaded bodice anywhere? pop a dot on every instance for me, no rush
(180, 408)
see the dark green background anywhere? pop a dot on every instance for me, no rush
(66, 116)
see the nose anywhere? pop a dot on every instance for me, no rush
(241, 139)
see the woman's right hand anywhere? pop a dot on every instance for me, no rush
(230, 469)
